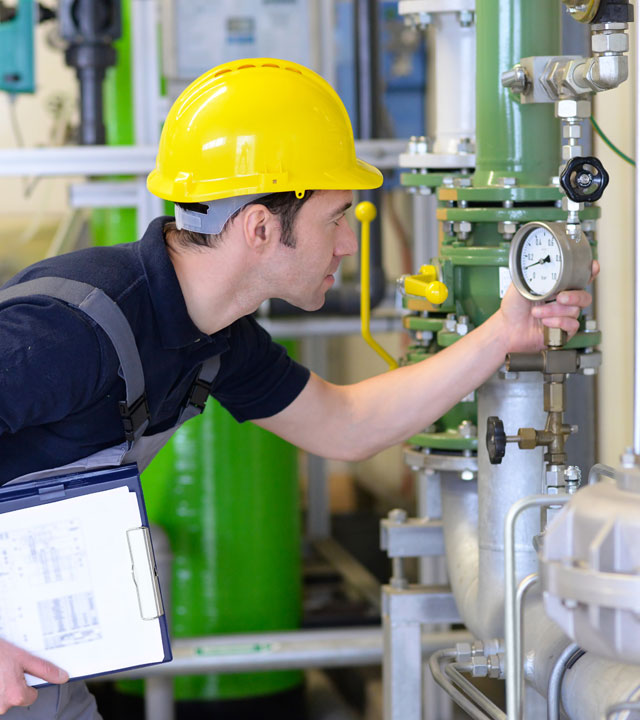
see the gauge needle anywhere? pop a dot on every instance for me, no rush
(540, 262)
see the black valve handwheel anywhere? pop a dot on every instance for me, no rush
(584, 179)
(496, 440)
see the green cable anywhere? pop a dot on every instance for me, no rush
(608, 142)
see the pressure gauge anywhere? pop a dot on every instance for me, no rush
(546, 258)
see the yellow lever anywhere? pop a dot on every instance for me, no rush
(425, 285)
(366, 212)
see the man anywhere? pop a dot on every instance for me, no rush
(258, 157)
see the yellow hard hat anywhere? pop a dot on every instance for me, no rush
(257, 126)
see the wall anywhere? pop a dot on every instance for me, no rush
(614, 112)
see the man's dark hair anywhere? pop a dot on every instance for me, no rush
(283, 204)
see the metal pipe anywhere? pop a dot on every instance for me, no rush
(590, 685)
(452, 671)
(555, 681)
(460, 698)
(622, 707)
(636, 365)
(523, 588)
(344, 647)
(510, 634)
(599, 470)
(146, 98)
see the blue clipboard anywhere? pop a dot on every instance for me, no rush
(49, 554)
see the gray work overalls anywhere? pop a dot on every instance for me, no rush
(73, 701)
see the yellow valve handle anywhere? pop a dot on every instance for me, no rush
(366, 213)
(425, 285)
(582, 11)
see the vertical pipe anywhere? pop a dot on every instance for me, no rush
(369, 89)
(514, 140)
(146, 98)
(636, 365)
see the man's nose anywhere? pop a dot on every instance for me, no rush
(348, 243)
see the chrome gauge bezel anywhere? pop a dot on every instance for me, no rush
(575, 259)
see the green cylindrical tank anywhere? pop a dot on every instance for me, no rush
(226, 494)
(514, 140)
(228, 498)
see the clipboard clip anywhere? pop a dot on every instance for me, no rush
(145, 573)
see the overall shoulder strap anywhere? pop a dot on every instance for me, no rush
(104, 312)
(199, 392)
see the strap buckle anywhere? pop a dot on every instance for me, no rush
(134, 416)
(199, 394)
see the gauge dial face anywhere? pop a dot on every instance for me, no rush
(540, 261)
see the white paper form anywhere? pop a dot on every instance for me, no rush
(66, 585)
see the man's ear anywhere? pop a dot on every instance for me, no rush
(258, 226)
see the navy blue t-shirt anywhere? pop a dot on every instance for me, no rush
(59, 381)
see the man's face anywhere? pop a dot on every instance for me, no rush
(322, 238)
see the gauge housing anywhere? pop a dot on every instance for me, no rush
(540, 244)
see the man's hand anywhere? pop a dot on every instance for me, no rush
(14, 663)
(524, 320)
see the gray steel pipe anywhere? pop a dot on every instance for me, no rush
(346, 647)
(473, 517)
(590, 686)
(636, 365)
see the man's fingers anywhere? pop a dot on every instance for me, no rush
(553, 310)
(580, 298)
(564, 323)
(20, 695)
(44, 669)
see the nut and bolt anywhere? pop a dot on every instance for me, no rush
(571, 151)
(567, 109)
(462, 182)
(463, 226)
(467, 429)
(572, 478)
(450, 323)
(516, 79)
(507, 181)
(591, 325)
(482, 666)
(448, 181)
(571, 131)
(422, 145)
(629, 459)
(610, 42)
(465, 18)
(398, 579)
(398, 515)
(507, 229)
(462, 326)
(423, 19)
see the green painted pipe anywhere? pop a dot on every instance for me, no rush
(514, 140)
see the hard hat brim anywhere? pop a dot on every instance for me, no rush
(360, 176)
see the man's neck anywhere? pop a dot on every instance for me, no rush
(214, 284)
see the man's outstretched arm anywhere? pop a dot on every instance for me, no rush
(353, 422)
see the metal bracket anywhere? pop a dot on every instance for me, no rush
(413, 538)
